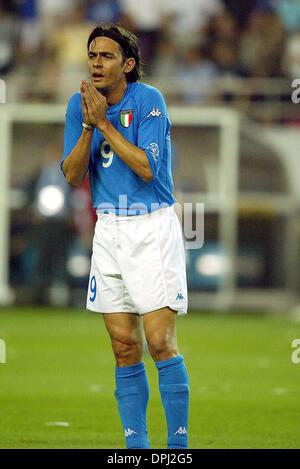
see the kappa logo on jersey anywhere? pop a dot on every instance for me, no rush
(126, 118)
(154, 150)
(181, 431)
(155, 113)
(129, 432)
(179, 296)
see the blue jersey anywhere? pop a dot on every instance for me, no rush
(142, 119)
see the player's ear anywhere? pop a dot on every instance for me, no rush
(129, 65)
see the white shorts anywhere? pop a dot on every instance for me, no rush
(138, 264)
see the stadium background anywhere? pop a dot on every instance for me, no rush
(227, 70)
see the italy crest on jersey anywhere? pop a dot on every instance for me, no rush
(126, 118)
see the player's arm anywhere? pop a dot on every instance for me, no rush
(75, 166)
(76, 163)
(133, 156)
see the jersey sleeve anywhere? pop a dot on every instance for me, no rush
(73, 126)
(153, 130)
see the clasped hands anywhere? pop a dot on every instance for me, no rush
(94, 105)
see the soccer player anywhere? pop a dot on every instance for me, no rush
(118, 130)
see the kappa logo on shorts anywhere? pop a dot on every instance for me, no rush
(179, 297)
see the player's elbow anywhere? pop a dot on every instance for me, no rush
(73, 181)
(71, 177)
(147, 175)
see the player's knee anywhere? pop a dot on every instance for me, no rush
(162, 348)
(127, 352)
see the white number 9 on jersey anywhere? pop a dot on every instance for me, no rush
(107, 154)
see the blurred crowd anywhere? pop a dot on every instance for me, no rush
(187, 41)
(188, 44)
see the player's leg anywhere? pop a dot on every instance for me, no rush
(132, 389)
(126, 335)
(160, 332)
(108, 294)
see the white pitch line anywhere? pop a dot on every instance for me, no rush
(279, 391)
(95, 388)
(57, 424)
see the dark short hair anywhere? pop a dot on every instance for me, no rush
(128, 43)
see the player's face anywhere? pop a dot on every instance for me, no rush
(106, 64)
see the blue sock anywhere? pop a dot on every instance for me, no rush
(174, 391)
(132, 394)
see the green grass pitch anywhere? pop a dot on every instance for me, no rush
(245, 390)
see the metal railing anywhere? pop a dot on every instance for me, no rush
(265, 100)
